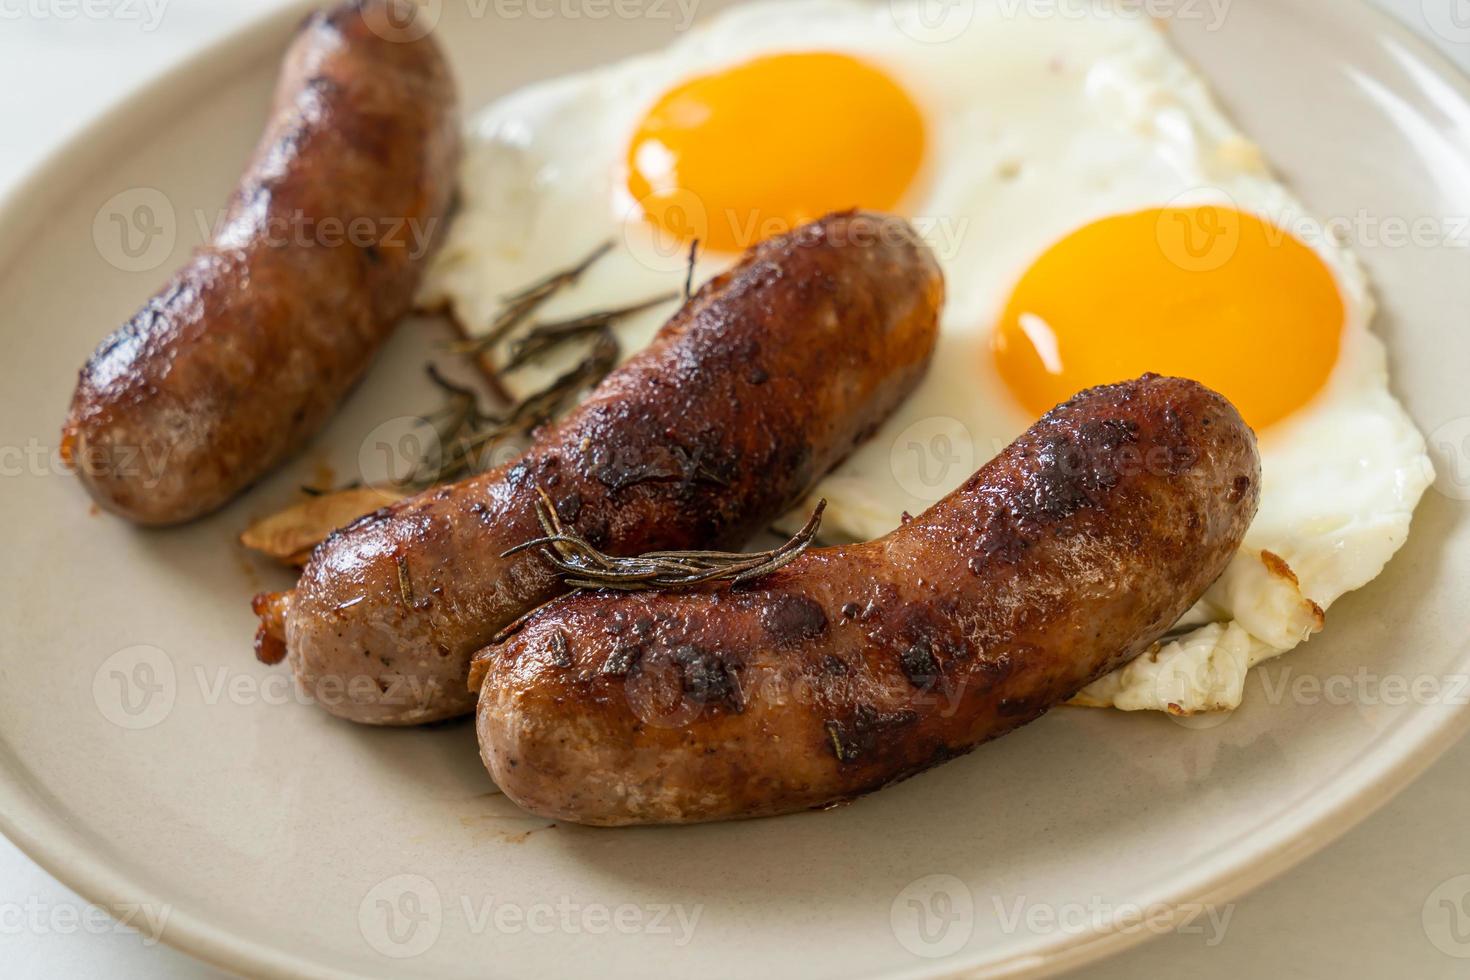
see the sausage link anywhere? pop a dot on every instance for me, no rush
(765, 380)
(246, 352)
(853, 667)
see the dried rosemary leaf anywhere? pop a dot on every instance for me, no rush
(520, 305)
(583, 566)
(544, 338)
(463, 428)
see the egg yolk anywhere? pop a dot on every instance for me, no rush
(1208, 293)
(755, 150)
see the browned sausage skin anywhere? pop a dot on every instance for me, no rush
(249, 348)
(767, 378)
(854, 667)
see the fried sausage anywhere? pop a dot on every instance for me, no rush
(854, 667)
(766, 378)
(245, 353)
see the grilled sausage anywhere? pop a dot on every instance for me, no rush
(245, 353)
(767, 378)
(853, 667)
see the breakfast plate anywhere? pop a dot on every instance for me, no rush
(148, 761)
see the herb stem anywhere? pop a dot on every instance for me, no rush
(519, 306)
(583, 566)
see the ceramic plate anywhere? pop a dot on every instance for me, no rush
(149, 762)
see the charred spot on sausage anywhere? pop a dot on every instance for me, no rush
(569, 506)
(919, 665)
(855, 737)
(707, 677)
(623, 659)
(558, 651)
(791, 619)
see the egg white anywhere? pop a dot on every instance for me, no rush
(1037, 126)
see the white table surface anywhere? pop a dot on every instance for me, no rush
(1367, 906)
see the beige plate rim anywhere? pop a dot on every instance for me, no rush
(1238, 867)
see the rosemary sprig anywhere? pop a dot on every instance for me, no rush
(464, 429)
(540, 340)
(583, 566)
(520, 305)
(480, 360)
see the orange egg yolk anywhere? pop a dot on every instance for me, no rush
(1208, 293)
(755, 150)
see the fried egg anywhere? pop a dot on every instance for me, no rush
(1096, 216)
